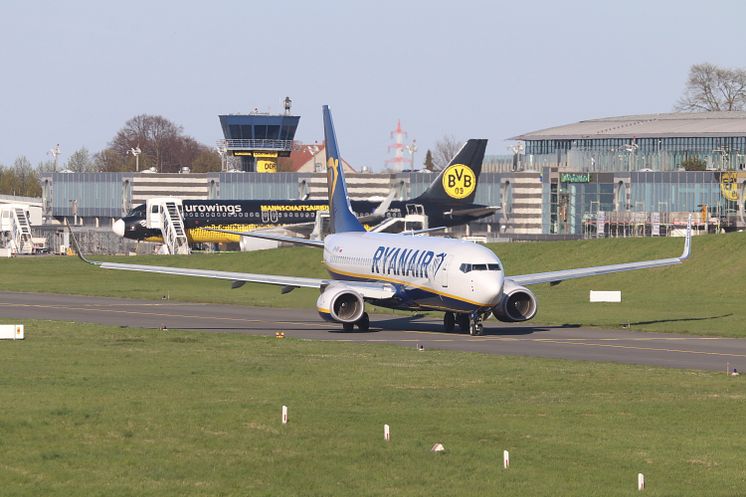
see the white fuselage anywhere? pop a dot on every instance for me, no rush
(429, 273)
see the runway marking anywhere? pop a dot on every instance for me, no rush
(654, 349)
(585, 342)
(86, 308)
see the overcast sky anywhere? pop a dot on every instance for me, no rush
(75, 71)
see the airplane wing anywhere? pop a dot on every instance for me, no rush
(475, 212)
(271, 236)
(568, 274)
(368, 289)
(380, 212)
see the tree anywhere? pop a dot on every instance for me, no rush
(81, 161)
(163, 146)
(20, 179)
(445, 150)
(711, 88)
(693, 163)
(429, 161)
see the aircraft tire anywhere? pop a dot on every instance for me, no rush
(348, 326)
(463, 322)
(364, 322)
(449, 321)
(475, 328)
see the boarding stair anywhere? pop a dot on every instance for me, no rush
(172, 228)
(414, 220)
(15, 229)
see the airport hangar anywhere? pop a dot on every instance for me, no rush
(617, 176)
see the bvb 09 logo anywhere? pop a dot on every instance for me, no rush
(459, 181)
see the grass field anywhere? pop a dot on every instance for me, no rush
(92, 410)
(704, 296)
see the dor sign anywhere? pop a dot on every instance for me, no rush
(11, 332)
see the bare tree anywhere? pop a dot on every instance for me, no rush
(445, 150)
(712, 88)
(162, 143)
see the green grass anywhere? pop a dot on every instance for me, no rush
(92, 410)
(703, 296)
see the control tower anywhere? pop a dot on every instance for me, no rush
(258, 139)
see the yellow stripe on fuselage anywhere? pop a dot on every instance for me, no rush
(405, 283)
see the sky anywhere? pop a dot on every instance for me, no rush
(75, 71)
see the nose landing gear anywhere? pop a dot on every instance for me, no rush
(466, 322)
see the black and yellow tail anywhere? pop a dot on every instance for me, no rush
(458, 181)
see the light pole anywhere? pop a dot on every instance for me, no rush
(221, 152)
(411, 148)
(136, 152)
(314, 150)
(55, 152)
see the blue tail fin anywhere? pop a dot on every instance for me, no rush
(341, 216)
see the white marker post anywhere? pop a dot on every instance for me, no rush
(640, 481)
(506, 459)
(386, 433)
(284, 415)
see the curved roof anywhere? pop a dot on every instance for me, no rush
(676, 124)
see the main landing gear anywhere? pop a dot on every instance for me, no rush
(363, 323)
(466, 322)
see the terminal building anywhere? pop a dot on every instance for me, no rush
(627, 175)
(621, 176)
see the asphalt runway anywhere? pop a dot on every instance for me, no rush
(521, 339)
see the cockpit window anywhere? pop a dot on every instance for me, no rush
(138, 211)
(465, 268)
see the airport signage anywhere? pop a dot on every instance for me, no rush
(575, 177)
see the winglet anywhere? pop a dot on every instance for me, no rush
(76, 247)
(688, 241)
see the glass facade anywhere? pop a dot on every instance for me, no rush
(635, 154)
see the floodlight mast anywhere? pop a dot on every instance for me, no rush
(411, 148)
(221, 152)
(55, 152)
(136, 152)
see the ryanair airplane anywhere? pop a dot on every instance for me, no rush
(448, 201)
(466, 281)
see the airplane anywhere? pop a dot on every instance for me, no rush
(447, 202)
(464, 280)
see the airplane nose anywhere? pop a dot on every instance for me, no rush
(493, 289)
(118, 227)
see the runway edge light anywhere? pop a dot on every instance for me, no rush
(11, 331)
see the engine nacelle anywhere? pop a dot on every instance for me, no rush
(518, 303)
(340, 303)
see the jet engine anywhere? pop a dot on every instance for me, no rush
(340, 303)
(518, 303)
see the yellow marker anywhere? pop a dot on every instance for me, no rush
(279, 334)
